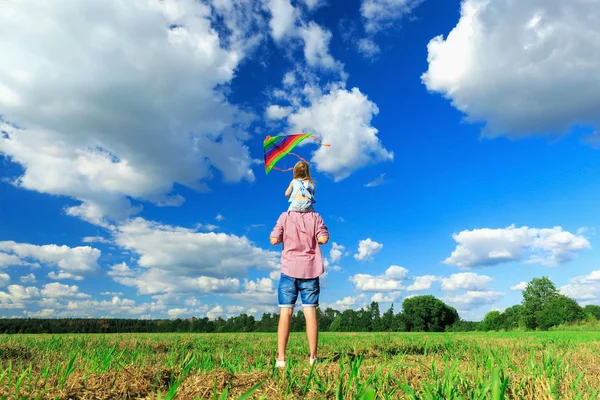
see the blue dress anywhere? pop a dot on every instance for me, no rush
(307, 190)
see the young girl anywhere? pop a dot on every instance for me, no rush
(301, 190)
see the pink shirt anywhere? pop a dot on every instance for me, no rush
(301, 255)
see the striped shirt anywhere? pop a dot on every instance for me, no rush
(301, 255)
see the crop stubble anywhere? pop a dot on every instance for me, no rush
(540, 365)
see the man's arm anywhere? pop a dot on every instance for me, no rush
(322, 231)
(276, 236)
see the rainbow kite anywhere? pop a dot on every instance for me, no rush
(276, 147)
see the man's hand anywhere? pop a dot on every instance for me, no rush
(323, 239)
(274, 240)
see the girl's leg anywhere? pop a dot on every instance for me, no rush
(283, 331)
(312, 329)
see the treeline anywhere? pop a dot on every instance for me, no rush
(542, 308)
(420, 313)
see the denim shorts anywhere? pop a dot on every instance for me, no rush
(288, 289)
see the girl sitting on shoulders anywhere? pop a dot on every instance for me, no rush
(301, 191)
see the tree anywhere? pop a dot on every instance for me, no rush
(559, 310)
(400, 323)
(336, 324)
(512, 316)
(592, 310)
(298, 322)
(428, 314)
(493, 321)
(376, 325)
(388, 319)
(464, 326)
(537, 294)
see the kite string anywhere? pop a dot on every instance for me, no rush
(290, 169)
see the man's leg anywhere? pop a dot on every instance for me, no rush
(283, 331)
(312, 330)
(310, 290)
(287, 294)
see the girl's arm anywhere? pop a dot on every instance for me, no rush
(288, 191)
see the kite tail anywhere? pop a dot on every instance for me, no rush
(319, 140)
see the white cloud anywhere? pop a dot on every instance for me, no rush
(473, 299)
(276, 112)
(112, 294)
(191, 302)
(64, 275)
(368, 48)
(581, 292)
(341, 118)
(18, 292)
(157, 280)
(283, 19)
(116, 306)
(486, 247)
(367, 248)
(386, 298)
(519, 286)
(289, 79)
(275, 275)
(29, 278)
(58, 290)
(215, 312)
(316, 47)
(143, 115)
(235, 309)
(314, 4)
(178, 312)
(336, 252)
(262, 285)
(592, 277)
(8, 260)
(584, 288)
(381, 14)
(376, 182)
(390, 281)
(44, 313)
(466, 281)
(422, 283)
(219, 217)
(396, 272)
(347, 302)
(17, 296)
(524, 68)
(4, 279)
(256, 299)
(120, 270)
(77, 260)
(186, 252)
(368, 283)
(96, 239)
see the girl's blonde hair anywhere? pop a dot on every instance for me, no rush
(301, 171)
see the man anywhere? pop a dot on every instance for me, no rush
(301, 265)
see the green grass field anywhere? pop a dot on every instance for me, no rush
(545, 365)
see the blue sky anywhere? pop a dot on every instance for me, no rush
(462, 160)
